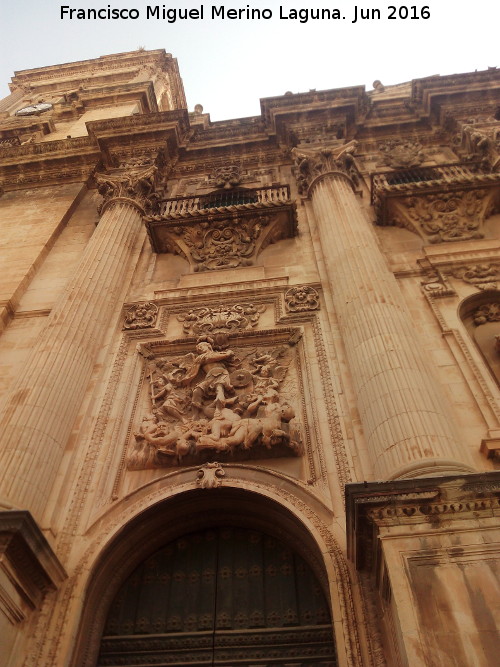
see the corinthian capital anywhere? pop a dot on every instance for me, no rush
(310, 164)
(135, 185)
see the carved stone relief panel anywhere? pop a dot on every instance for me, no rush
(401, 154)
(225, 240)
(301, 299)
(140, 316)
(445, 216)
(224, 318)
(235, 395)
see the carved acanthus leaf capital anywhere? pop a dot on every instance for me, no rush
(135, 184)
(310, 164)
(480, 143)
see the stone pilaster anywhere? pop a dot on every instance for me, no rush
(430, 547)
(407, 429)
(41, 409)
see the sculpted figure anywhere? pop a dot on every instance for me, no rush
(167, 440)
(173, 405)
(216, 375)
(218, 429)
(246, 431)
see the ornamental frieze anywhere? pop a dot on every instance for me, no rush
(233, 396)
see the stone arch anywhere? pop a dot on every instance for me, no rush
(480, 315)
(193, 509)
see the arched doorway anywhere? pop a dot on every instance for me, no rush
(220, 596)
(194, 511)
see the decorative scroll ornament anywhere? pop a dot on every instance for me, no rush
(141, 316)
(482, 276)
(227, 176)
(400, 154)
(225, 243)
(309, 164)
(446, 216)
(222, 318)
(434, 284)
(489, 312)
(217, 400)
(135, 185)
(210, 476)
(301, 299)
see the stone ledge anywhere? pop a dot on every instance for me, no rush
(28, 566)
(437, 501)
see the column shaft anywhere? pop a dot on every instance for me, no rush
(401, 406)
(42, 406)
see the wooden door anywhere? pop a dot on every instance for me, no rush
(226, 596)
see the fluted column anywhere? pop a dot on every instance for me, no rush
(41, 409)
(402, 410)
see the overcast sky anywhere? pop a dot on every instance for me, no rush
(227, 65)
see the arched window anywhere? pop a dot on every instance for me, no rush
(480, 314)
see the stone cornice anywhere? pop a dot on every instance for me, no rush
(28, 557)
(48, 163)
(104, 65)
(423, 90)
(164, 129)
(75, 160)
(291, 105)
(433, 501)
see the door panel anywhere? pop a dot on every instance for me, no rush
(227, 596)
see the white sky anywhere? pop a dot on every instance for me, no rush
(228, 65)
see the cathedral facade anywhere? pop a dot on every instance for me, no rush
(249, 373)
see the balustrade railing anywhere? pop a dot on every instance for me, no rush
(424, 177)
(179, 206)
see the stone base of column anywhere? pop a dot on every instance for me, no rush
(431, 548)
(28, 570)
(432, 468)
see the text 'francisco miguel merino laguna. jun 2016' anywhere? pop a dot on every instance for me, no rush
(349, 12)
